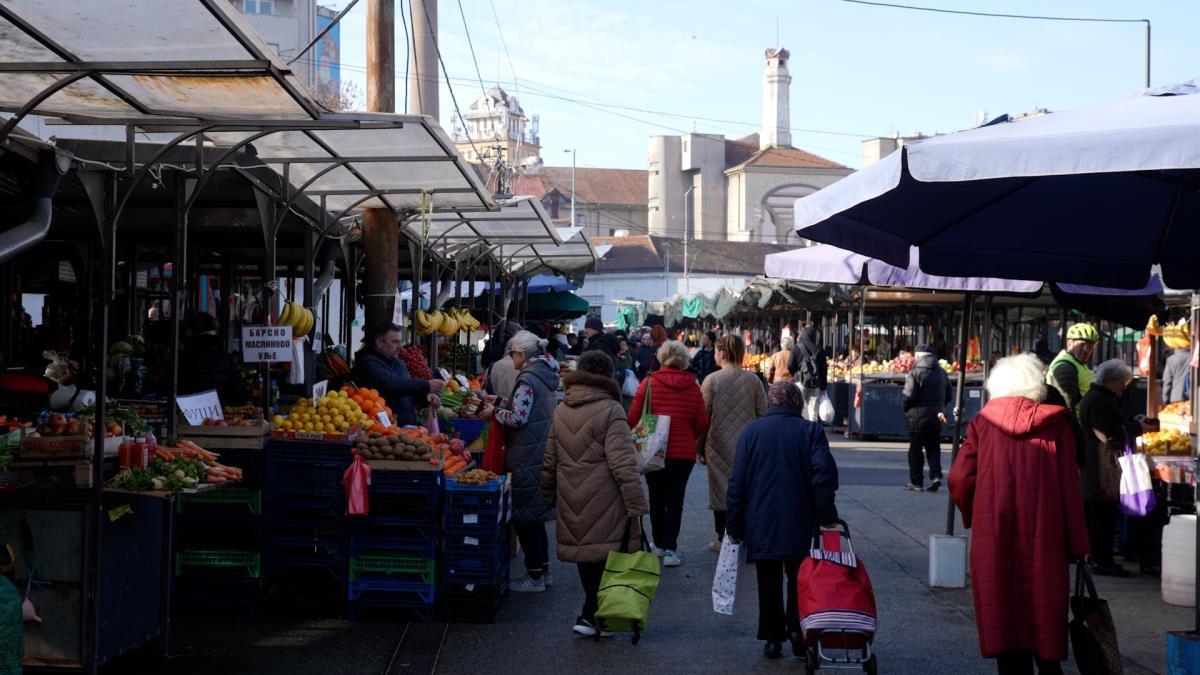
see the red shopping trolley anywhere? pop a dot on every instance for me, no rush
(836, 605)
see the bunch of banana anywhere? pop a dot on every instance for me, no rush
(299, 317)
(466, 322)
(449, 325)
(428, 322)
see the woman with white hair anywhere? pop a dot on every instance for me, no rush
(526, 416)
(1017, 485)
(671, 391)
(1106, 431)
(777, 365)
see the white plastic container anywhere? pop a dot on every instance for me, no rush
(947, 561)
(1179, 561)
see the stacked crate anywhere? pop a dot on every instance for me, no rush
(218, 539)
(305, 535)
(393, 549)
(475, 547)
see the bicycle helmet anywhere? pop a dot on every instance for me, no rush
(1083, 331)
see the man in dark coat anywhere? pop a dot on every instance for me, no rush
(783, 484)
(376, 366)
(704, 363)
(598, 340)
(206, 365)
(809, 366)
(926, 393)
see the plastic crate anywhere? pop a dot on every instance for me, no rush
(407, 482)
(225, 499)
(321, 482)
(307, 453)
(288, 544)
(251, 462)
(193, 590)
(480, 488)
(471, 603)
(195, 531)
(470, 543)
(417, 543)
(404, 509)
(482, 570)
(370, 592)
(377, 565)
(249, 561)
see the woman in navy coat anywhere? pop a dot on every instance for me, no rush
(783, 484)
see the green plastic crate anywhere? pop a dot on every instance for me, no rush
(250, 497)
(249, 560)
(392, 564)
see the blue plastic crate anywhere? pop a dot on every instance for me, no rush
(471, 603)
(482, 570)
(491, 486)
(404, 508)
(389, 593)
(317, 513)
(304, 482)
(407, 482)
(307, 453)
(413, 543)
(470, 543)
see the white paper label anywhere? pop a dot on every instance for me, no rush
(316, 344)
(470, 518)
(198, 407)
(470, 588)
(470, 541)
(320, 389)
(444, 373)
(974, 393)
(383, 418)
(267, 344)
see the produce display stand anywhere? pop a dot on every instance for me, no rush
(476, 545)
(882, 411)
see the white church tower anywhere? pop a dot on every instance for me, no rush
(776, 117)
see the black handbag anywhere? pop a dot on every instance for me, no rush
(1093, 634)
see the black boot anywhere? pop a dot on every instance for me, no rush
(773, 650)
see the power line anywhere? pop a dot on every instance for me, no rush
(471, 45)
(504, 42)
(993, 14)
(454, 99)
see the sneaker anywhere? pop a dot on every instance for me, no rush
(934, 484)
(670, 559)
(549, 580)
(715, 547)
(528, 585)
(657, 551)
(588, 629)
(914, 488)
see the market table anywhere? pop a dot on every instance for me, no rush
(882, 411)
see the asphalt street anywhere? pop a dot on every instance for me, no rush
(921, 630)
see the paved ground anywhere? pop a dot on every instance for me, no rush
(921, 630)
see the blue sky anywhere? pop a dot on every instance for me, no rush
(592, 70)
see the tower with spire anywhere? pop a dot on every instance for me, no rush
(776, 115)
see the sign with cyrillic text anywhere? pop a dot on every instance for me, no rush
(267, 344)
(199, 407)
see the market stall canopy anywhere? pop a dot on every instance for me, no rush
(836, 265)
(1092, 196)
(197, 68)
(573, 258)
(520, 221)
(542, 283)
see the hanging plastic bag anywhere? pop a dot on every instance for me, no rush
(356, 481)
(296, 374)
(1137, 492)
(431, 422)
(630, 386)
(724, 587)
(494, 452)
(825, 409)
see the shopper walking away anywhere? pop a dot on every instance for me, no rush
(625, 367)
(1177, 375)
(674, 393)
(1016, 484)
(926, 393)
(809, 368)
(783, 484)
(704, 362)
(597, 339)
(1068, 373)
(1106, 430)
(589, 473)
(779, 363)
(527, 416)
(377, 366)
(733, 398)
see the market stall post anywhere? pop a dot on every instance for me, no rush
(270, 228)
(948, 553)
(1195, 321)
(183, 190)
(310, 353)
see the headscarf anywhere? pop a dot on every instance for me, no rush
(785, 393)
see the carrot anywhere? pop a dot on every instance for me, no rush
(201, 452)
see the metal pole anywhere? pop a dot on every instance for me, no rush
(381, 231)
(959, 397)
(178, 296)
(1147, 53)
(572, 187)
(310, 355)
(1195, 321)
(423, 88)
(686, 195)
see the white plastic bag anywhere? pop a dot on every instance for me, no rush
(1136, 492)
(825, 409)
(630, 386)
(724, 587)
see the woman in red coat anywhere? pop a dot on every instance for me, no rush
(674, 393)
(1017, 484)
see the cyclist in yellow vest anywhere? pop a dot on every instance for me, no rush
(1068, 372)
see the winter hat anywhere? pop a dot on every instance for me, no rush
(594, 323)
(785, 393)
(924, 347)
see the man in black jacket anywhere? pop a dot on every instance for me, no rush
(810, 369)
(926, 393)
(377, 366)
(598, 340)
(704, 363)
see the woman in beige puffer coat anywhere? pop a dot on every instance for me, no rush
(591, 475)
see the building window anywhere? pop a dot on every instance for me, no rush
(258, 6)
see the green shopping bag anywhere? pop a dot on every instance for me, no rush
(628, 586)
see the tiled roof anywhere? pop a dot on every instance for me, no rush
(786, 158)
(740, 150)
(600, 186)
(644, 253)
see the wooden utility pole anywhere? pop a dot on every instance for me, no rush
(423, 86)
(381, 229)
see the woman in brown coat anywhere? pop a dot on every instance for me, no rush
(591, 474)
(733, 398)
